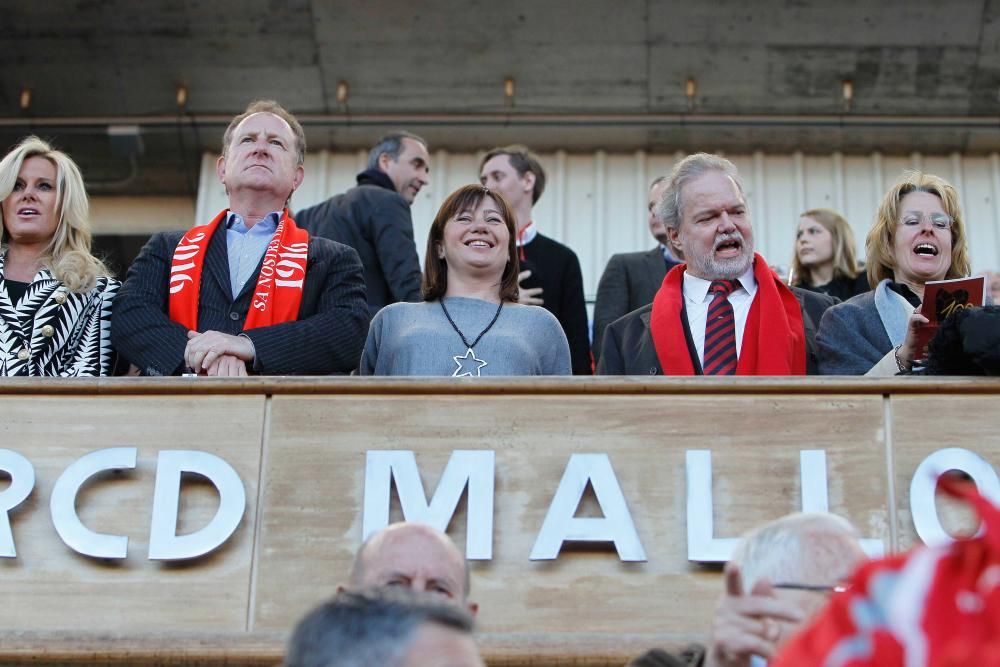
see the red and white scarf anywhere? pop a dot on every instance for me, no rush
(278, 293)
(774, 340)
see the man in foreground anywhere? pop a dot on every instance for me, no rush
(416, 556)
(781, 574)
(386, 629)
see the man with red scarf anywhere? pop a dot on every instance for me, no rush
(724, 312)
(250, 291)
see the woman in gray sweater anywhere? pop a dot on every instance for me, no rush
(470, 323)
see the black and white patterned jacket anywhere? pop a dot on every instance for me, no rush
(55, 332)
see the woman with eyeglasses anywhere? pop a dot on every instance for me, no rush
(470, 323)
(918, 236)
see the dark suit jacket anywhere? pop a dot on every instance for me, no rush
(629, 350)
(629, 281)
(375, 221)
(326, 338)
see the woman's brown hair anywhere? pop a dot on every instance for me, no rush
(467, 198)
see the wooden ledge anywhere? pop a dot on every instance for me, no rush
(637, 385)
(267, 649)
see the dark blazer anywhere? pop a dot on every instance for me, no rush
(629, 350)
(326, 338)
(629, 281)
(374, 220)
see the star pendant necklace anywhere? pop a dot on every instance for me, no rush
(468, 364)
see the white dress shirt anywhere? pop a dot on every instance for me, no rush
(697, 299)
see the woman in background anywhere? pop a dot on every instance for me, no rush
(824, 256)
(470, 323)
(55, 297)
(918, 237)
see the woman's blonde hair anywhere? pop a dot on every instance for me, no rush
(68, 253)
(879, 244)
(844, 263)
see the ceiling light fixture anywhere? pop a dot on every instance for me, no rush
(342, 92)
(25, 98)
(508, 90)
(847, 92)
(181, 96)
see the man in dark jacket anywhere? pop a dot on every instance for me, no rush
(250, 291)
(374, 218)
(550, 271)
(724, 312)
(630, 279)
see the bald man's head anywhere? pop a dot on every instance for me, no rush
(416, 556)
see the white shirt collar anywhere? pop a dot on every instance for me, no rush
(696, 289)
(527, 235)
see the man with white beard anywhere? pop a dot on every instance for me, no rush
(725, 312)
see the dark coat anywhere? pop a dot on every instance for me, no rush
(556, 269)
(629, 281)
(375, 220)
(629, 350)
(326, 338)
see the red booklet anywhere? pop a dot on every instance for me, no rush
(943, 298)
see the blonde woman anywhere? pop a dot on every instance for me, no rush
(918, 236)
(824, 256)
(55, 297)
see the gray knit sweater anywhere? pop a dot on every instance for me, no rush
(416, 339)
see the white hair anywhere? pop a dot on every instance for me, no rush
(797, 548)
(670, 208)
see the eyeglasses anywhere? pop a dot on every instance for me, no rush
(938, 220)
(816, 588)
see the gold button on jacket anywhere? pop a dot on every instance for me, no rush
(23, 353)
(47, 331)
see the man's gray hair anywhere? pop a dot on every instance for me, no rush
(391, 145)
(368, 628)
(670, 208)
(796, 548)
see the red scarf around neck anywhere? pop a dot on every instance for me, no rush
(278, 293)
(776, 348)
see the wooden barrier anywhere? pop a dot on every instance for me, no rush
(299, 446)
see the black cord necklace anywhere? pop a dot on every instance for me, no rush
(468, 364)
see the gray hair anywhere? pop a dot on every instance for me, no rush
(368, 628)
(670, 208)
(391, 145)
(796, 548)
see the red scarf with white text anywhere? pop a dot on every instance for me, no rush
(776, 348)
(278, 293)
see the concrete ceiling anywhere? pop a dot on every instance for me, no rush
(588, 74)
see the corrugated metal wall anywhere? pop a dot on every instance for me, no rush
(596, 203)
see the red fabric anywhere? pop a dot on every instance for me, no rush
(278, 292)
(776, 348)
(954, 591)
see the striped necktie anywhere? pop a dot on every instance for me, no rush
(720, 331)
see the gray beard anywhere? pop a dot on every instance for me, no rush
(725, 269)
